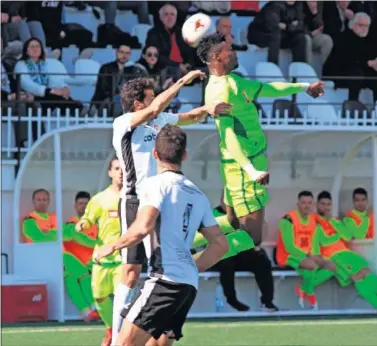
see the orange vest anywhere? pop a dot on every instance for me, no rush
(81, 252)
(340, 245)
(370, 232)
(303, 235)
(45, 225)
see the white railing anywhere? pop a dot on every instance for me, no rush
(281, 121)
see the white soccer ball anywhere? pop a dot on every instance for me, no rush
(195, 28)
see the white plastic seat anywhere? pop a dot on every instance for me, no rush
(61, 79)
(305, 73)
(269, 72)
(241, 69)
(141, 31)
(321, 110)
(86, 72)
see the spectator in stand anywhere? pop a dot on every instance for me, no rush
(318, 41)
(359, 222)
(150, 60)
(224, 26)
(354, 55)
(38, 80)
(39, 226)
(8, 100)
(336, 15)
(280, 25)
(111, 78)
(58, 35)
(166, 36)
(18, 25)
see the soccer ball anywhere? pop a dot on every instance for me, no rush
(195, 28)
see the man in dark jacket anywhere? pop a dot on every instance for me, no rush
(280, 25)
(111, 77)
(166, 36)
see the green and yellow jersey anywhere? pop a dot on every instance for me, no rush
(102, 210)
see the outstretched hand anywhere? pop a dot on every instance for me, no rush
(102, 252)
(316, 89)
(189, 77)
(219, 108)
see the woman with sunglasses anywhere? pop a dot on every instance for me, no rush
(163, 75)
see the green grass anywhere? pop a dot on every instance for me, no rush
(347, 332)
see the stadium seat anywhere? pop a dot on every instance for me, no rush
(241, 70)
(141, 31)
(322, 111)
(61, 78)
(306, 73)
(269, 72)
(285, 109)
(355, 110)
(192, 94)
(86, 72)
(104, 55)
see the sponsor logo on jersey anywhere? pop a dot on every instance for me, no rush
(150, 138)
(113, 214)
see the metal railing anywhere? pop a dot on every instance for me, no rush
(21, 128)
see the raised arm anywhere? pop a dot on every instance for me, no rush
(279, 89)
(197, 115)
(32, 232)
(159, 104)
(91, 216)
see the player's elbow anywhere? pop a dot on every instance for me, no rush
(145, 229)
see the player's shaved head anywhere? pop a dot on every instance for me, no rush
(217, 52)
(171, 145)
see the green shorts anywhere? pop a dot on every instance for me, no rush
(349, 261)
(241, 193)
(105, 280)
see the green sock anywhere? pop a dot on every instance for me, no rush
(105, 310)
(238, 241)
(74, 292)
(321, 276)
(308, 277)
(367, 289)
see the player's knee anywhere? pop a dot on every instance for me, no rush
(263, 259)
(100, 300)
(152, 342)
(361, 274)
(308, 264)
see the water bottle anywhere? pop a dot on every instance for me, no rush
(219, 304)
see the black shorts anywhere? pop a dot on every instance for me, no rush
(161, 308)
(127, 214)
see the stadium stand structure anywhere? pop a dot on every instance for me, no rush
(329, 143)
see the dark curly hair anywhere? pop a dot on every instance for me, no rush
(206, 43)
(133, 90)
(171, 144)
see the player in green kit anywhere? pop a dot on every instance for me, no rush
(102, 210)
(242, 141)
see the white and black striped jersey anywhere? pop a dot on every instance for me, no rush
(133, 148)
(184, 210)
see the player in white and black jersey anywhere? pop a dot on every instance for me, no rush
(171, 210)
(134, 135)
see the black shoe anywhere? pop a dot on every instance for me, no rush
(269, 307)
(234, 303)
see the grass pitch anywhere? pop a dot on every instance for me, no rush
(315, 332)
